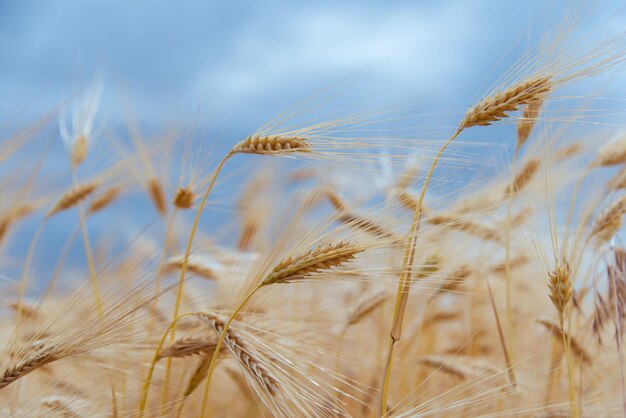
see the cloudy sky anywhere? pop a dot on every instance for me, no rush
(257, 58)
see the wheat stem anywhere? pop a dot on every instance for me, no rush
(157, 353)
(205, 397)
(405, 277)
(183, 270)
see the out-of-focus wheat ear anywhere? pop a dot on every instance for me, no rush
(524, 177)
(184, 198)
(79, 150)
(526, 124)
(407, 200)
(273, 145)
(13, 216)
(577, 348)
(366, 225)
(334, 199)
(157, 195)
(40, 357)
(190, 346)
(560, 287)
(193, 267)
(248, 233)
(249, 359)
(459, 366)
(366, 307)
(24, 310)
(618, 182)
(73, 197)
(61, 407)
(324, 257)
(609, 222)
(469, 227)
(613, 153)
(103, 200)
(199, 374)
(496, 107)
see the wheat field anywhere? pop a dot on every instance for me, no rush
(276, 278)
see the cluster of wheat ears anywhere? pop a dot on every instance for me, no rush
(325, 294)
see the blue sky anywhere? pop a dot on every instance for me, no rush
(258, 58)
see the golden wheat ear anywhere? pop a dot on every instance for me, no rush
(73, 197)
(272, 145)
(184, 198)
(249, 359)
(324, 257)
(498, 106)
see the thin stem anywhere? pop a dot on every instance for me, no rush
(168, 234)
(91, 265)
(570, 374)
(216, 353)
(405, 277)
(155, 358)
(387, 378)
(28, 261)
(183, 270)
(505, 349)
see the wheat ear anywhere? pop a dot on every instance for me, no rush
(73, 197)
(277, 144)
(42, 356)
(527, 122)
(103, 200)
(157, 195)
(184, 198)
(248, 358)
(560, 287)
(497, 106)
(324, 257)
(609, 222)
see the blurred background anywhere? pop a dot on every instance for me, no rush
(219, 70)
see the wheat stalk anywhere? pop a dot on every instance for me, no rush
(577, 348)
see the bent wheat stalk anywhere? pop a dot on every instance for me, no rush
(486, 112)
(269, 145)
